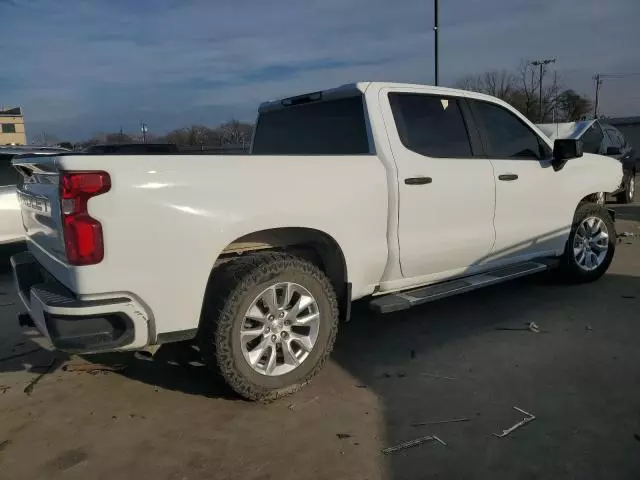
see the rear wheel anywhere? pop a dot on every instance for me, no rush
(269, 325)
(591, 245)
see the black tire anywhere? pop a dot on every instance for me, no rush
(626, 196)
(234, 286)
(569, 269)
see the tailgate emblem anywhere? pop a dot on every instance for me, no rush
(34, 203)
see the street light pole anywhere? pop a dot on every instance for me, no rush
(542, 64)
(435, 32)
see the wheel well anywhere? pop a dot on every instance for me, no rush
(591, 198)
(312, 245)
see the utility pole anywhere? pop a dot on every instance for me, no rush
(555, 95)
(542, 64)
(598, 79)
(435, 32)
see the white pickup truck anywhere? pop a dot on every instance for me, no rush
(400, 193)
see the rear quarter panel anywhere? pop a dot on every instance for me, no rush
(166, 219)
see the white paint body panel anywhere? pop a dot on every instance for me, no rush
(11, 229)
(166, 219)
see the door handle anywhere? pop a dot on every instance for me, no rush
(508, 177)
(417, 180)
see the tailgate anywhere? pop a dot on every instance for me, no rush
(39, 198)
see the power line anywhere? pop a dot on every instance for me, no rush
(598, 77)
(619, 75)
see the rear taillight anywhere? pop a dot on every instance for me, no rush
(82, 233)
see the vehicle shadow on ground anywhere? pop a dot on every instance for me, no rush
(627, 212)
(474, 357)
(175, 366)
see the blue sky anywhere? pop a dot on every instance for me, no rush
(79, 67)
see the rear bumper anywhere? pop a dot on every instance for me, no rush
(100, 324)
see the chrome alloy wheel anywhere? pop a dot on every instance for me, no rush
(280, 328)
(591, 243)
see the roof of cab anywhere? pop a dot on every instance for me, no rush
(350, 88)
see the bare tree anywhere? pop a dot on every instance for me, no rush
(235, 132)
(45, 139)
(521, 90)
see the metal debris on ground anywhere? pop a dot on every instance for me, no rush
(434, 375)
(588, 328)
(530, 327)
(22, 354)
(92, 367)
(293, 406)
(626, 234)
(48, 369)
(412, 443)
(361, 385)
(529, 418)
(6, 304)
(438, 422)
(342, 436)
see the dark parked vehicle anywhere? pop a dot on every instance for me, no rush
(601, 138)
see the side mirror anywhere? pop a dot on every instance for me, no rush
(563, 150)
(614, 151)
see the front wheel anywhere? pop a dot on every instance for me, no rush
(591, 245)
(270, 324)
(626, 195)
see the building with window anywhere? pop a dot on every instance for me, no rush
(12, 126)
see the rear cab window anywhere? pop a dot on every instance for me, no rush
(315, 127)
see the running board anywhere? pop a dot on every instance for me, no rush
(395, 302)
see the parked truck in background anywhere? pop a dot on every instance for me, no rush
(398, 193)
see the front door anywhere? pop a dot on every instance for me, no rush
(531, 219)
(446, 195)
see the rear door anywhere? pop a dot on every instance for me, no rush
(446, 192)
(529, 218)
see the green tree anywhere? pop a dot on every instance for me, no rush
(573, 106)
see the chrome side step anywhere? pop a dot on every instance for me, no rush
(403, 300)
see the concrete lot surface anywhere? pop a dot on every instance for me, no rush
(167, 419)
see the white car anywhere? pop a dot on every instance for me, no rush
(399, 193)
(11, 230)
